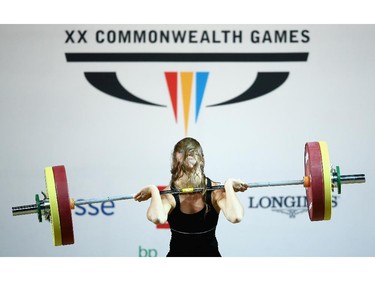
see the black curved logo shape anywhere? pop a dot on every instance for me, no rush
(264, 83)
(108, 83)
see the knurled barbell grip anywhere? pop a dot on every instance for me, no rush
(251, 185)
(184, 190)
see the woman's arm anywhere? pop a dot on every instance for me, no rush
(228, 201)
(159, 207)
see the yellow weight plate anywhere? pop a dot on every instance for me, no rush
(327, 180)
(54, 207)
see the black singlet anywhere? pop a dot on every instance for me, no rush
(193, 235)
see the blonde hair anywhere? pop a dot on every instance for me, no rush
(186, 147)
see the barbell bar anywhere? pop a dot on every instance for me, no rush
(320, 180)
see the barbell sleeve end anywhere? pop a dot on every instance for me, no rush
(352, 179)
(24, 210)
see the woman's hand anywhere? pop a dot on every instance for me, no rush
(145, 193)
(238, 185)
(158, 210)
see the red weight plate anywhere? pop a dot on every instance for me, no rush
(314, 170)
(63, 200)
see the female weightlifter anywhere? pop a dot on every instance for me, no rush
(192, 217)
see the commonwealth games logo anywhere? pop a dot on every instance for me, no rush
(186, 85)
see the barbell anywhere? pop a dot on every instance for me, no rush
(320, 180)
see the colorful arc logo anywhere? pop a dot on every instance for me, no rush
(182, 83)
(186, 82)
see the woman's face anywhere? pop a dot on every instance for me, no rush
(190, 161)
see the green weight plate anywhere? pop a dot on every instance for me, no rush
(338, 179)
(37, 200)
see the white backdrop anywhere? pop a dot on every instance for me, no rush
(51, 115)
